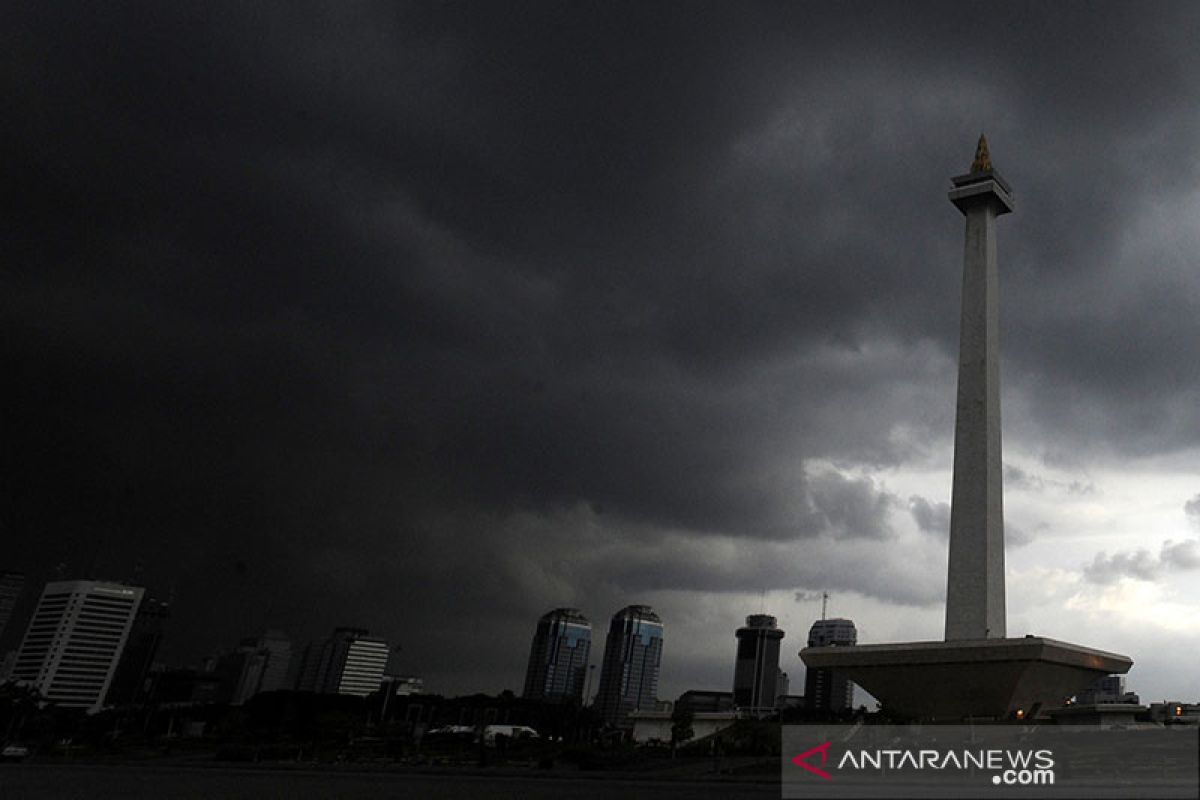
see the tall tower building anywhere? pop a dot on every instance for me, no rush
(632, 658)
(129, 683)
(558, 658)
(348, 662)
(756, 670)
(975, 584)
(828, 689)
(75, 639)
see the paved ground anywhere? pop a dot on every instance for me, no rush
(138, 782)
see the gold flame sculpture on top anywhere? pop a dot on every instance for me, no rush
(982, 162)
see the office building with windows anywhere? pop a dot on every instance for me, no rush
(756, 669)
(826, 689)
(349, 662)
(632, 659)
(276, 650)
(258, 664)
(75, 639)
(558, 658)
(131, 682)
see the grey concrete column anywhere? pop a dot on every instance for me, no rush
(975, 604)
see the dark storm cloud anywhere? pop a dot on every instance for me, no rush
(930, 517)
(1143, 565)
(339, 312)
(852, 508)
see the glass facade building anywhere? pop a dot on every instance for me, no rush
(632, 658)
(558, 658)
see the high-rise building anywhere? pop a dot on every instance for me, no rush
(348, 662)
(258, 664)
(130, 683)
(276, 647)
(825, 689)
(756, 670)
(11, 584)
(782, 687)
(632, 658)
(362, 668)
(75, 639)
(238, 672)
(558, 658)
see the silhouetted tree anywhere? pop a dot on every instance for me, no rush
(681, 726)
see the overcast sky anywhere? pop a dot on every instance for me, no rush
(430, 318)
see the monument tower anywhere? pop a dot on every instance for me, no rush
(975, 587)
(976, 672)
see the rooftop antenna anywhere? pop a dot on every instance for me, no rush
(824, 603)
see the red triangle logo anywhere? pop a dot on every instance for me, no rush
(800, 761)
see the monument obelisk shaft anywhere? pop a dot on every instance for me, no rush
(978, 672)
(975, 588)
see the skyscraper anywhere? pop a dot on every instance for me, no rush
(75, 639)
(258, 664)
(826, 689)
(348, 662)
(558, 658)
(276, 647)
(756, 670)
(632, 658)
(129, 683)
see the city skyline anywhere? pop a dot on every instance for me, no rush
(351, 661)
(399, 317)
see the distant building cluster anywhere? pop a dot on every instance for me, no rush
(93, 644)
(627, 694)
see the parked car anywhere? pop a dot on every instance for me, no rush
(14, 752)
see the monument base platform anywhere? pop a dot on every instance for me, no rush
(978, 678)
